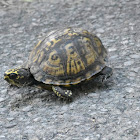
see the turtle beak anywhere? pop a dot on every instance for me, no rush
(5, 76)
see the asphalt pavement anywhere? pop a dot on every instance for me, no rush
(99, 111)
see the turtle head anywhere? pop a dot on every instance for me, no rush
(19, 77)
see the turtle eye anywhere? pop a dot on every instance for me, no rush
(12, 76)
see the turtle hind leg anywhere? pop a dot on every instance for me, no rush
(106, 72)
(62, 92)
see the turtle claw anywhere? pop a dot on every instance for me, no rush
(106, 72)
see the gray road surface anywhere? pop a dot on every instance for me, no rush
(98, 112)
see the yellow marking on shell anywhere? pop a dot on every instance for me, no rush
(38, 44)
(91, 58)
(48, 81)
(66, 31)
(85, 32)
(97, 68)
(67, 85)
(98, 43)
(36, 56)
(86, 39)
(74, 63)
(44, 65)
(67, 81)
(41, 56)
(53, 70)
(77, 81)
(77, 66)
(55, 41)
(88, 50)
(58, 82)
(58, 71)
(54, 67)
(73, 67)
(48, 44)
(88, 76)
(54, 62)
(89, 79)
(38, 51)
(33, 52)
(72, 34)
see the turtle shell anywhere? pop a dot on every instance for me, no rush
(67, 57)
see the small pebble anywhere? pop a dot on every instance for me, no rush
(26, 109)
(135, 69)
(101, 120)
(112, 49)
(10, 119)
(11, 125)
(100, 30)
(3, 91)
(124, 42)
(1, 99)
(37, 119)
(34, 138)
(128, 63)
(132, 74)
(16, 25)
(129, 89)
(135, 56)
(19, 62)
(2, 137)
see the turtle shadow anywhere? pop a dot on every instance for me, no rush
(28, 95)
(92, 86)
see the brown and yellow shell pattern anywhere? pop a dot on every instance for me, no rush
(67, 57)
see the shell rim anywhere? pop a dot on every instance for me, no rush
(76, 82)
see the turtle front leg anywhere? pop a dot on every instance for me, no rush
(62, 92)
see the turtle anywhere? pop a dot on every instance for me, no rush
(63, 58)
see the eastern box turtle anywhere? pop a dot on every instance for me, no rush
(63, 58)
